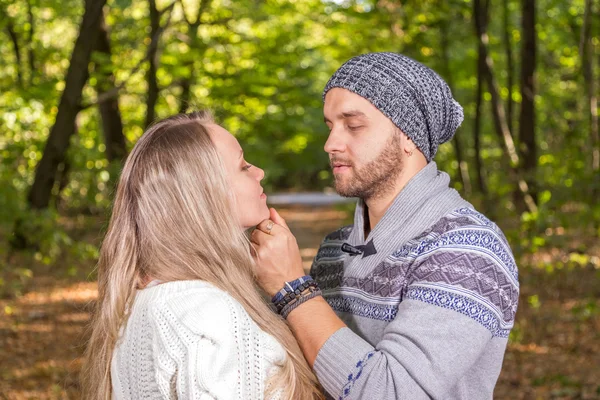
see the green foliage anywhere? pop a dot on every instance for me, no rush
(261, 67)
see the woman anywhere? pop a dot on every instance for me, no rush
(179, 314)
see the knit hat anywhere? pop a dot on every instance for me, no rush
(411, 95)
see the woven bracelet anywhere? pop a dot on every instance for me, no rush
(290, 287)
(310, 294)
(291, 296)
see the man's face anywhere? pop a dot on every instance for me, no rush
(364, 146)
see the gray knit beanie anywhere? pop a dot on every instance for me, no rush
(411, 95)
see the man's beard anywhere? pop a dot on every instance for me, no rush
(377, 177)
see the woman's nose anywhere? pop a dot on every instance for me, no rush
(260, 174)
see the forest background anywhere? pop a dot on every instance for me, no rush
(80, 81)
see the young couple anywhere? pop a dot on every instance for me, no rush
(415, 300)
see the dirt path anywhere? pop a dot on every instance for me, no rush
(554, 354)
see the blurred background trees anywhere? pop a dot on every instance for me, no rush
(80, 81)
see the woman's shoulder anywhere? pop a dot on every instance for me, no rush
(176, 289)
(198, 310)
(198, 306)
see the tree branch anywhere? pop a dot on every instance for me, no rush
(498, 109)
(111, 94)
(10, 29)
(30, 44)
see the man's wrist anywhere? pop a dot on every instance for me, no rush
(289, 286)
(273, 286)
(294, 293)
(305, 296)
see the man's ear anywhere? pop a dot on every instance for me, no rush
(408, 146)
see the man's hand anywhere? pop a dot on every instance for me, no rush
(276, 252)
(278, 261)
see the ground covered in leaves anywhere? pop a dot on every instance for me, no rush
(554, 350)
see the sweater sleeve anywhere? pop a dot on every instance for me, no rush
(454, 304)
(209, 348)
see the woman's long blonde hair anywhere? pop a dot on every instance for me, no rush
(173, 219)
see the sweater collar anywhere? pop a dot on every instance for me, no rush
(424, 200)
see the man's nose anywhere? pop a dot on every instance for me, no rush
(335, 142)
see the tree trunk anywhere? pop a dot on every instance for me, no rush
(194, 43)
(587, 63)
(62, 173)
(527, 118)
(509, 64)
(463, 167)
(63, 128)
(30, 43)
(112, 124)
(477, 125)
(10, 29)
(595, 133)
(498, 113)
(152, 63)
(152, 57)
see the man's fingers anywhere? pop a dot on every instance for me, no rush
(278, 219)
(253, 239)
(264, 240)
(258, 237)
(269, 227)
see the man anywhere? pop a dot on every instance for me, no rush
(420, 293)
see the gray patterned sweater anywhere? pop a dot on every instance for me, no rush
(429, 314)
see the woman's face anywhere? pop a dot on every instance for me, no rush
(251, 202)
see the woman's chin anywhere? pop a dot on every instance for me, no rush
(266, 213)
(260, 217)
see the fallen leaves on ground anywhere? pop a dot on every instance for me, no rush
(554, 352)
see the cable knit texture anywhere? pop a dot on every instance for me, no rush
(191, 340)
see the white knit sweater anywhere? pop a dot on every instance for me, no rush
(191, 340)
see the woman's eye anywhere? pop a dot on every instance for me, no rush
(246, 167)
(354, 128)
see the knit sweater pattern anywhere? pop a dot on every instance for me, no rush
(430, 313)
(191, 340)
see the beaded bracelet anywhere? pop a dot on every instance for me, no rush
(304, 297)
(290, 287)
(290, 296)
(294, 290)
